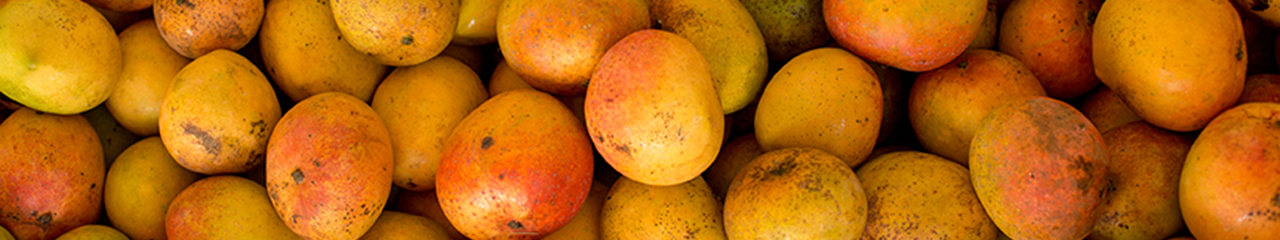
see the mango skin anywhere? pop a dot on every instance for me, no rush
(1228, 188)
(64, 67)
(53, 174)
(224, 207)
(826, 98)
(915, 36)
(329, 167)
(1040, 169)
(738, 69)
(1175, 78)
(652, 109)
(557, 45)
(520, 143)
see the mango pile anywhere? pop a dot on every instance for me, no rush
(639, 119)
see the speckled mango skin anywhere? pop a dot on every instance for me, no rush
(825, 98)
(518, 167)
(1175, 78)
(1229, 188)
(738, 69)
(225, 207)
(1146, 164)
(801, 193)
(329, 167)
(946, 105)
(915, 36)
(194, 28)
(1040, 169)
(557, 45)
(218, 113)
(53, 174)
(652, 109)
(1053, 39)
(421, 106)
(397, 32)
(634, 210)
(305, 53)
(916, 195)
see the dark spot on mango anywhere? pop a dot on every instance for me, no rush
(1260, 5)
(184, 3)
(1275, 200)
(411, 184)
(784, 167)
(502, 176)
(623, 148)
(963, 65)
(486, 142)
(93, 185)
(297, 176)
(44, 219)
(1277, 123)
(514, 224)
(408, 39)
(1239, 52)
(212, 146)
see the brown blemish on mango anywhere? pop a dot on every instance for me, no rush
(211, 145)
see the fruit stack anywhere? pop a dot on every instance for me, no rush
(639, 119)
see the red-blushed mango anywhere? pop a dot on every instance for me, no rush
(93, 232)
(394, 225)
(426, 204)
(795, 193)
(224, 207)
(635, 210)
(305, 54)
(519, 166)
(139, 187)
(1053, 39)
(652, 109)
(586, 224)
(948, 104)
(477, 22)
(59, 56)
(397, 32)
(915, 36)
(1146, 162)
(909, 189)
(1040, 169)
(194, 28)
(738, 69)
(218, 113)
(421, 105)
(329, 167)
(1229, 188)
(825, 98)
(149, 68)
(1261, 88)
(1106, 109)
(733, 156)
(53, 174)
(1175, 78)
(557, 45)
